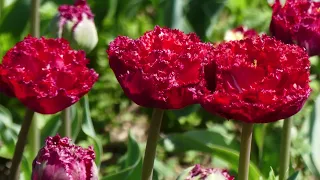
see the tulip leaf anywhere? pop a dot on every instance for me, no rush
(201, 13)
(25, 165)
(294, 176)
(15, 18)
(8, 133)
(88, 129)
(133, 163)
(50, 128)
(198, 142)
(312, 128)
(76, 116)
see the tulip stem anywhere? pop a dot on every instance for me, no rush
(245, 148)
(34, 137)
(35, 18)
(22, 138)
(150, 153)
(285, 149)
(66, 122)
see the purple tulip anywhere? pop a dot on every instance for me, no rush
(59, 159)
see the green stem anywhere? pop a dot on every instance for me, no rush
(27, 122)
(34, 132)
(66, 122)
(285, 149)
(35, 18)
(150, 153)
(244, 159)
(34, 138)
(22, 139)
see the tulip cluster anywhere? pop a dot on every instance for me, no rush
(255, 80)
(249, 77)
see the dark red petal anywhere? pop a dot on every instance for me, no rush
(161, 69)
(46, 74)
(256, 80)
(297, 22)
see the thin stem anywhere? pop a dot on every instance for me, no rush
(34, 137)
(66, 122)
(22, 138)
(35, 18)
(285, 149)
(34, 132)
(244, 159)
(150, 153)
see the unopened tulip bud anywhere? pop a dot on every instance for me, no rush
(76, 24)
(59, 159)
(199, 173)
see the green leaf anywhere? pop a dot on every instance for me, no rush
(200, 13)
(50, 128)
(185, 142)
(88, 129)
(315, 154)
(133, 163)
(174, 16)
(76, 116)
(16, 18)
(259, 135)
(294, 176)
(25, 165)
(272, 176)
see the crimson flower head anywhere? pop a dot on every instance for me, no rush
(60, 159)
(161, 69)
(199, 173)
(256, 80)
(298, 21)
(239, 33)
(46, 75)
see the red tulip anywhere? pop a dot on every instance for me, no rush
(256, 80)
(161, 69)
(298, 21)
(46, 75)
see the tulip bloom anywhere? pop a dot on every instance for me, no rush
(200, 173)
(76, 24)
(297, 22)
(256, 80)
(162, 69)
(59, 159)
(46, 75)
(239, 33)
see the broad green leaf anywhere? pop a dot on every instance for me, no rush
(294, 176)
(200, 13)
(133, 163)
(185, 142)
(26, 168)
(272, 176)
(50, 128)
(16, 18)
(259, 134)
(88, 129)
(174, 16)
(312, 128)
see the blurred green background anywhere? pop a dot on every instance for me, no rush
(188, 136)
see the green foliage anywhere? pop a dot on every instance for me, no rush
(132, 165)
